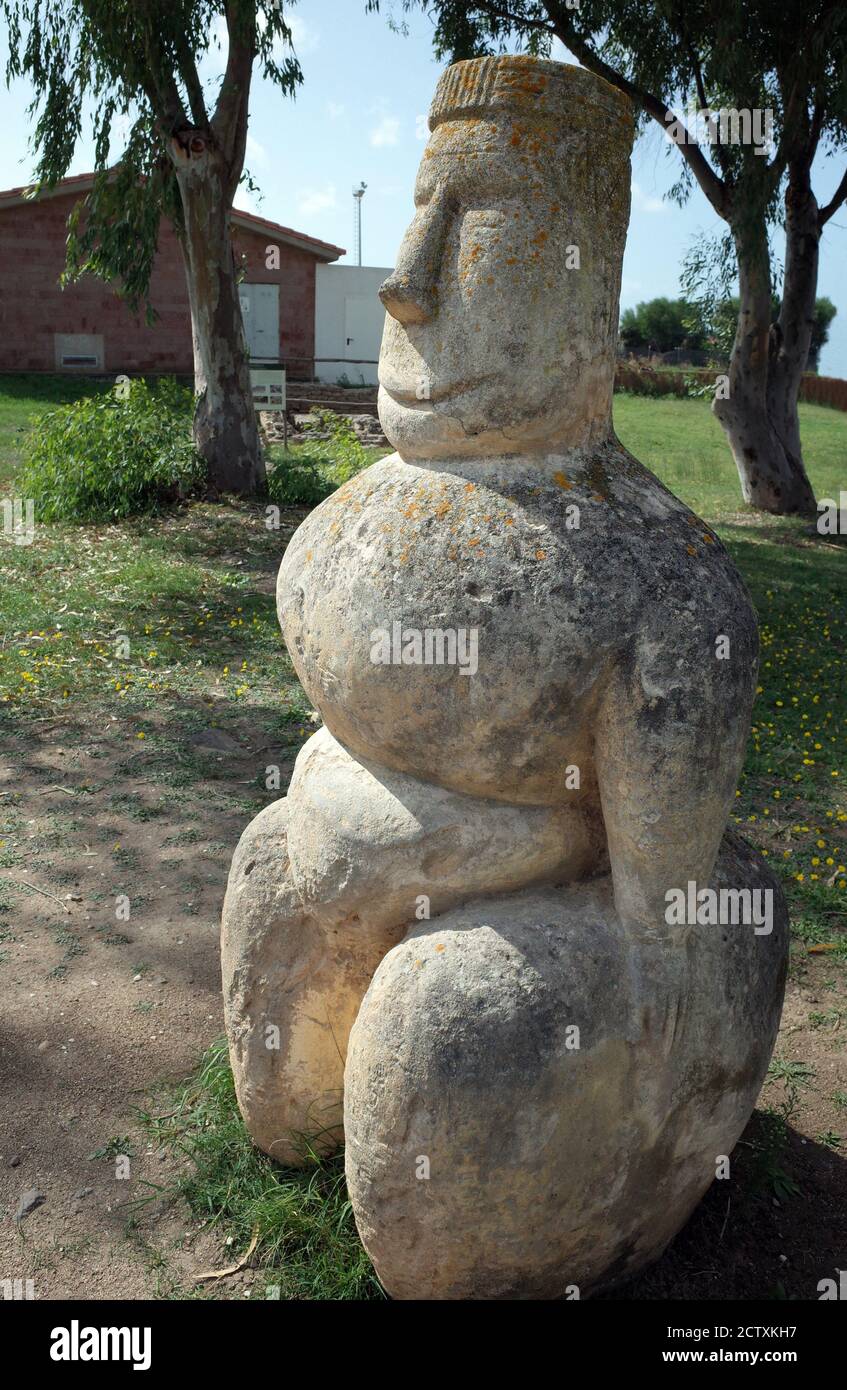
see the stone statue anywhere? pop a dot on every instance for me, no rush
(499, 885)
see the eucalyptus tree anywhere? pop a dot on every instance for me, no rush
(134, 70)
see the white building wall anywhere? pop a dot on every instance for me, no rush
(347, 307)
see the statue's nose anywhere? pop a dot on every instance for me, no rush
(407, 298)
(410, 294)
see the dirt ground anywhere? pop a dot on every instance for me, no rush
(96, 1009)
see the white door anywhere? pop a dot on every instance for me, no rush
(260, 311)
(364, 318)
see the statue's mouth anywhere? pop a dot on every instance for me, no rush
(412, 397)
(408, 398)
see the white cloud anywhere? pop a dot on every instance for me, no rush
(312, 200)
(304, 37)
(644, 202)
(256, 153)
(386, 133)
(335, 109)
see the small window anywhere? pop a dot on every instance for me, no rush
(79, 352)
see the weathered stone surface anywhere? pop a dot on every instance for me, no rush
(538, 786)
(373, 839)
(322, 884)
(552, 1165)
(565, 618)
(597, 599)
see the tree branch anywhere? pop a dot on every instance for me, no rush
(229, 123)
(562, 28)
(193, 86)
(716, 189)
(835, 202)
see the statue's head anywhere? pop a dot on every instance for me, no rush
(502, 311)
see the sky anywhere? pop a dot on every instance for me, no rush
(360, 115)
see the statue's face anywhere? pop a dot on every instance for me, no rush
(498, 337)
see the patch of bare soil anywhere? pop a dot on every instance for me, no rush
(110, 979)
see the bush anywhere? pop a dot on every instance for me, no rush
(113, 455)
(300, 478)
(307, 475)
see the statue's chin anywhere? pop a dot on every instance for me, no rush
(423, 431)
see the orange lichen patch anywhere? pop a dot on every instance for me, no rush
(510, 521)
(691, 519)
(473, 542)
(440, 946)
(561, 481)
(710, 540)
(539, 239)
(442, 509)
(541, 554)
(691, 550)
(403, 556)
(308, 555)
(470, 487)
(598, 497)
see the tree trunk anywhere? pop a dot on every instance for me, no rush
(791, 335)
(771, 478)
(225, 429)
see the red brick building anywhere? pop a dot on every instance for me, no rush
(88, 328)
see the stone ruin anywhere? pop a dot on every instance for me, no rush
(496, 936)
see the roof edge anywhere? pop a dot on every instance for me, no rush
(83, 183)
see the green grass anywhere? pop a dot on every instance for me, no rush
(681, 441)
(307, 1245)
(24, 397)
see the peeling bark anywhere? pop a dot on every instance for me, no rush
(791, 335)
(225, 428)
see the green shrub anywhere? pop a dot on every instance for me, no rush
(300, 478)
(110, 456)
(307, 474)
(346, 453)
